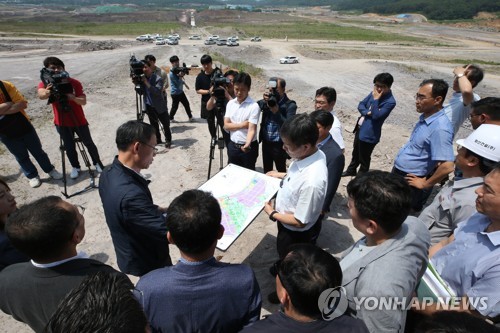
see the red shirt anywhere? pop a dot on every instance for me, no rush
(76, 117)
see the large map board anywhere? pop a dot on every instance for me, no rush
(242, 194)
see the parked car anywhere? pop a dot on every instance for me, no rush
(176, 36)
(144, 38)
(256, 39)
(160, 41)
(210, 42)
(232, 42)
(195, 37)
(214, 37)
(172, 41)
(173, 37)
(289, 60)
(221, 42)
(236, 38)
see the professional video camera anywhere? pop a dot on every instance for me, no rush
(60, 86)
(219, 81)
(274, 96)
(136, 69)
(184, 70)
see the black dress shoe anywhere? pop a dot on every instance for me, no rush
(348, 173)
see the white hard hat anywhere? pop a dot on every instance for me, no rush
(484, 141)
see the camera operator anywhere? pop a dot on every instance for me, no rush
(228, 89)
(241, 119)
(154, 103)
(151, 60)
(69, 122)
(202, 84)
(177, 88)
(276, 107)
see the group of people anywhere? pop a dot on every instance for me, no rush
(457, 234)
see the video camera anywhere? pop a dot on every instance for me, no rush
(136, 69)
(218, 81)
(274, 96)
(184, 70)
(60, 86)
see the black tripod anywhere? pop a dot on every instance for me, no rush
(217, 141)
(79, 144)
(140, 110)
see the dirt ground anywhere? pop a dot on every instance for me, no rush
(103, 69)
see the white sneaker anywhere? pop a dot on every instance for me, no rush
(98, 168)
(74, 173)
(54, 174)
(35, 182)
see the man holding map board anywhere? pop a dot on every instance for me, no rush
(300, 199)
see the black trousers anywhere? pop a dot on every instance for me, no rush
(175, 105)
(164, 118)
(418, 197)
(203, 110)
(273, 152)
(239, 157)
(68, 137)
(361, 154)
(287, 237)
(212, 115)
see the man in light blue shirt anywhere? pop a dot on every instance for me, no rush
(427, 157)
(176, 76)
(469, 260)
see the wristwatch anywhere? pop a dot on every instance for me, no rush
(271, 216)
(460, 75)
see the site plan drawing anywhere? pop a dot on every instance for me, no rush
(242, 194)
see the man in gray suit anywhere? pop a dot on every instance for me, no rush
(386, 264)
(155, 104)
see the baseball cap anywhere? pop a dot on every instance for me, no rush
(484, 141)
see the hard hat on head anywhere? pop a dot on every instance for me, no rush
(484, 141)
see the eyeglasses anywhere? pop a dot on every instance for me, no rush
(80, 209)
(320, 102)
(421, 97)
(155, 150)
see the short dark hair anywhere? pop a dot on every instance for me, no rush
(133, 131)
(382, 197)
(329, 92)
(454, 322)
(300, 129)
(103, 302)
(42, 228)
(193, 220)
(174, 58)
(305, 272)
(489, 106)
(280, 81)
(205, 59)
(149, 58)
(485, 165)
(53, 61)
(439, 87)
(230, 72)
(384, 78)
(324, 118)
(243, 78)
(475, 74)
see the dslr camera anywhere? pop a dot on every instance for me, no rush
(181, 71)
(60, 86)
(274, 96)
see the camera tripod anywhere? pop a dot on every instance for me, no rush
(81, 149)
(218, 141)
(140, 110)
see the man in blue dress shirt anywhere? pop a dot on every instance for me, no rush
(427, 158)
(199, 293)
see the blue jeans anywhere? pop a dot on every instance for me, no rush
(19, 147)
